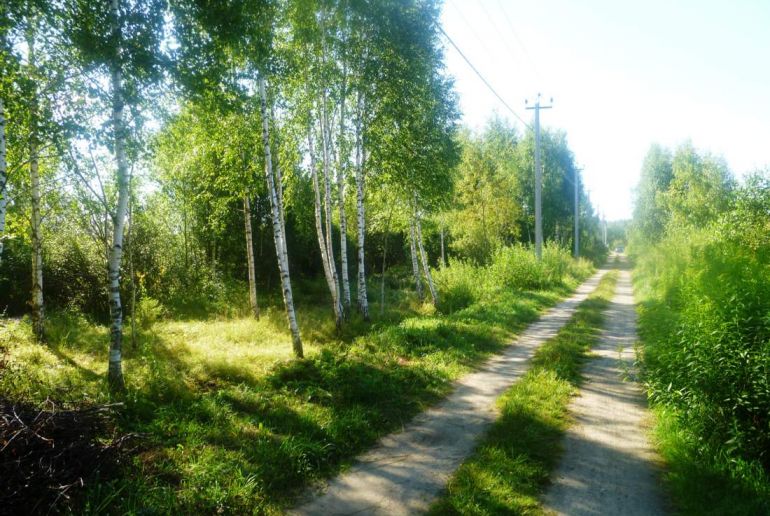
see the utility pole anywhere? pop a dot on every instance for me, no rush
(577, 212)
(605, 230)
(538, 180)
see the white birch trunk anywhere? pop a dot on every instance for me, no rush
(250, 257)
(279, 182)
(319, 226)
(363, 301)
(415, 264)
(278, 233)
(343, 216)
(328, 212)
(131, 265)
(38, 309)
(424, 259)
(3, 178)
(115, 370)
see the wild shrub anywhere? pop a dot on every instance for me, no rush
(706, 324)
(148, 311)
(516, 267)
(513, 268)
(460, 284)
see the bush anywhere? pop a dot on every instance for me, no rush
(706, 325)
(148, 311)
(515, 267)
(713, 361)
(459, 285)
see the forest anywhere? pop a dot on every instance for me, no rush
(256, 234)
(700, 240)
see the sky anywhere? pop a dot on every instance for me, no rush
(623, 75)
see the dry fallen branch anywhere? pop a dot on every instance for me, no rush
(47, 453)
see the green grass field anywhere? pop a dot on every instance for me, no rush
(233, 424)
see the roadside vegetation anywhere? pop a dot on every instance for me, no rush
(702, 251)
(512, 463)
(231, 423)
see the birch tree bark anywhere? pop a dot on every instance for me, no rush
(250, 257)
(328, 211)
(363, 301)
(415, 264)
(38, 308)
(319, 226)
(115, 368)
(3, 178)
(276, 210)
(279, 181)
(424, 259)
(341, 189)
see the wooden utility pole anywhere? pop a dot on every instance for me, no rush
(538, 179)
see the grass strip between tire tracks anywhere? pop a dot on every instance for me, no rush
(512, 464)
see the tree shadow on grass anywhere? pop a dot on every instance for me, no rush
(303, 419)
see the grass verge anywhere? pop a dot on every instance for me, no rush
(512, 464)
(699, 480)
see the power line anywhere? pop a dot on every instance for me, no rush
(486, 83)
(519, 41)
(499, 32)
(471, 29)
(494, 92)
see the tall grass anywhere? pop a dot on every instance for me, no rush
(705, 325)
(232, 423)
(513, 268)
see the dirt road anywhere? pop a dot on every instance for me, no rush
(405, 472)
(608, 467)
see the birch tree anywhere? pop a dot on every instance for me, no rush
(342, 167)
(225, 54)
(423, 255)
(3, 178)
(413, 255)
(40, 84)
(38, 307)
(253, 302)
(119, 130)
(278, 225)
(8, 69)
(119, 46)
(339, 309)
(326, 260)
(363, 301)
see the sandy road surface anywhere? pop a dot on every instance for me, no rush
(609, 467)
(406, 470)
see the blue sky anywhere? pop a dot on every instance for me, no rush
(623, 75)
